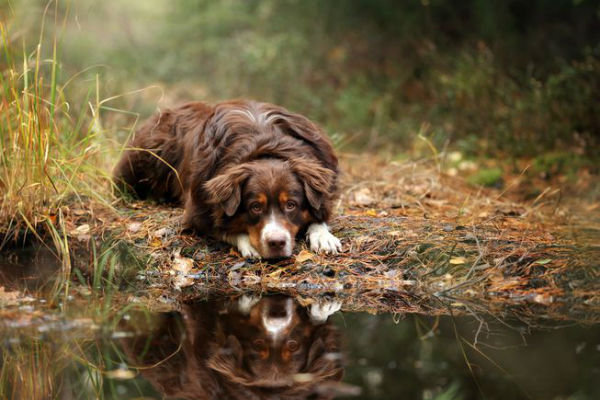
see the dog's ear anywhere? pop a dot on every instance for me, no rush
(322, 364)
(225, 189)
(228, 359)
(318, 181)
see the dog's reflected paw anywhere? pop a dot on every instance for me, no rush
(246, 302)
(319, 312)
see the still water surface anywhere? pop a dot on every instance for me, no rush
(274, 349)
(272, 346)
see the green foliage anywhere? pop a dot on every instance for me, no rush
(495, 76)
(554, 163)
(487, 177)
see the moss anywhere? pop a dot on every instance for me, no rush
(487, 177)
(558, 163)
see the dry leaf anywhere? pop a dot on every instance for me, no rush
(134, 227)
(182, 267)
(8, 298)
(304, 255)
(362, 197)
(120, 373)
(81, 230)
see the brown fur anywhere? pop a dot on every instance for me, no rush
(201, 157)
(212, 351)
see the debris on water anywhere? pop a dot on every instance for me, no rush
(182, 267)
(8, 298)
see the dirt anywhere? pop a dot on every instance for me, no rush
(414, 240)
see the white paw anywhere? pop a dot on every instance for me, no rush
(321, 240)
(242, 242)
(319, 312)
(245, 303)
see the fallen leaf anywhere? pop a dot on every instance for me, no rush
(120, 373)
(156, 242)
(81, 230)
(134, 227)
(543, 299)
(8, 298)
(362, 197)
(542, 262)
(304, 255)
(182, 266)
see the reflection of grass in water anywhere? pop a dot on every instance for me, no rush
(53, 360)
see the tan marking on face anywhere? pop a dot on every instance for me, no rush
(262, 199)
(254, 233)
(264, 354)
(306, 217)
(286, 355)
(283, 198)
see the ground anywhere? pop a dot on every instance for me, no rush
(415, 239)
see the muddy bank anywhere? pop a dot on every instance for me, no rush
(414, 240)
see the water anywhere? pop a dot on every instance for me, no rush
(79, 345)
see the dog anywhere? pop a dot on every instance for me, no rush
(248, 348)
(253, 174)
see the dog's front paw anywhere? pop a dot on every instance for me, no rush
(321, 240)
(245, 248)
(319, 312)
(242, 243)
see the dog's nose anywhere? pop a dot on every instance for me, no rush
(278, 311)
(276, 244)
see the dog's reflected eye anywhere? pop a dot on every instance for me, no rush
(258, 344)
(292, 345)
(290, 205)
(256, 207)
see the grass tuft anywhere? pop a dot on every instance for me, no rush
(49, 157)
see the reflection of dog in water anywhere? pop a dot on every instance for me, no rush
(269, 348)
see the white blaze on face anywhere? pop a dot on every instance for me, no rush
(276, 326)
(275, 231)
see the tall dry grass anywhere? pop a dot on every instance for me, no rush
(49, 156)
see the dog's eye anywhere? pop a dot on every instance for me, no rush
(258, 344)
(290, 205)
(292, 345)
(256, 207)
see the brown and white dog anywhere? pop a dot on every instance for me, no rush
(254, 174)
(251, 348)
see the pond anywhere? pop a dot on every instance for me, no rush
(273, 346)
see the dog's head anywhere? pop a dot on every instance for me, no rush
(271, 200)
(275, 346)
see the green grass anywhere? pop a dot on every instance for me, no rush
(486, 177)
(49, 156)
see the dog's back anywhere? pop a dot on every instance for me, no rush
(151, 165)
